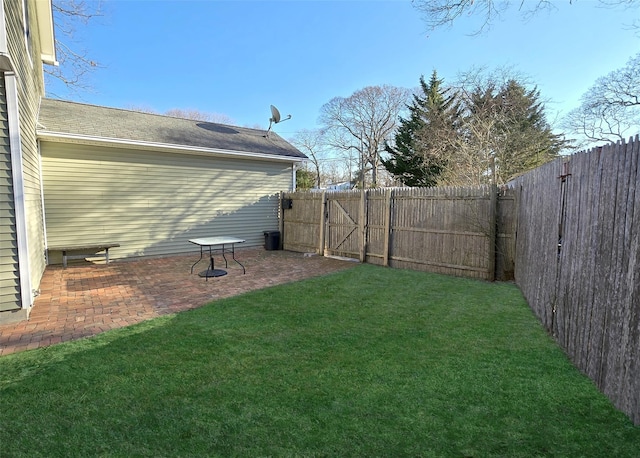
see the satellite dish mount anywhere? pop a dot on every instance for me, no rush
(275, 118)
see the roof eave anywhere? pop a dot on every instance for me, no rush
(44, 15)
(62, 137)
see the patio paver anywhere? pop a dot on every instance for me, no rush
(86, 299)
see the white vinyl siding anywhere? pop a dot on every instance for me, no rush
(152, 203)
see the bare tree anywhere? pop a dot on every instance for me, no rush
(75, 65)
(503, 131)
(610, 109)
(362, 123)
(311, 143)
(439, 13)
(335, 170)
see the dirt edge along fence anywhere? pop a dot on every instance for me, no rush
(466, 232)
(578, 262)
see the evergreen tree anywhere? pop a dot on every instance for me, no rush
(305, 179)
(528, 140)
(503, 133)
(423, 141)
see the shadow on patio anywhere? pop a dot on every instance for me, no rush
(87, 299)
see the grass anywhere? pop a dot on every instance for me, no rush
(365, 362)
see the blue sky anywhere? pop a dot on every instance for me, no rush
(238, 57)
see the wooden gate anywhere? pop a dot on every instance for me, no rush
(344, 224)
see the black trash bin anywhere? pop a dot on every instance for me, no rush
(271, 240)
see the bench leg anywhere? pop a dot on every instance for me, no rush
(106, 255)
(64, 259)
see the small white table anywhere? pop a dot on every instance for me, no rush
(220, 245)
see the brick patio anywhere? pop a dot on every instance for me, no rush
(86, 299)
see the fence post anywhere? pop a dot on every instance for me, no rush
(281, 220)
(387, 227)
(493, 222)
(323, 212)
(363, 225)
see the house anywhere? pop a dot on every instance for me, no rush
(74, 173)
(151, 182)
(341, 186)
(26, 41)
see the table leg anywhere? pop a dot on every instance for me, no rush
(233, 255)
(224, 257)
(197, 260)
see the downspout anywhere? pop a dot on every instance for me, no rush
(11, 88)
(293, 178)
(44, 216)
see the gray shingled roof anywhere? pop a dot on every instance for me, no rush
(77, 119)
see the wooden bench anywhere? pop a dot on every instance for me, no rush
(90, 250)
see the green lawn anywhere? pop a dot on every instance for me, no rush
(365, 362)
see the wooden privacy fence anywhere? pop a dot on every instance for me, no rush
(578, 262)
(458, 231)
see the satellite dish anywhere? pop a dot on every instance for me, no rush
(275, 118)
(275, 115)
